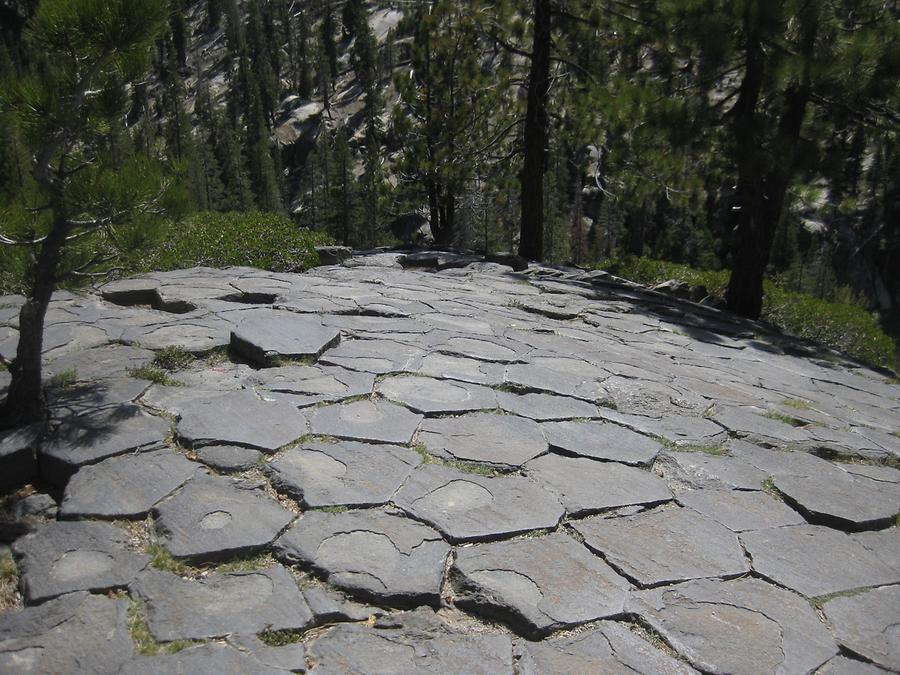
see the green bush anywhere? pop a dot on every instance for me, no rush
(265, 240)
(843, 326)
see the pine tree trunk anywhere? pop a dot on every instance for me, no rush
(531, 242)
(25, 403)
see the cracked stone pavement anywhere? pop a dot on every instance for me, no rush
(377, 467)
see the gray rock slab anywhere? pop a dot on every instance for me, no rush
(469, 507)
(208, 659)
(504, 441)
(868, 624)
(883, 544)
(77, 633)
(87, 439)
(740, 510)
(378, 556)
(815, 560)
(229, 458)
(409, 650)
(127, 486)
(842, 498)
(213, 518)
(462, 369)
(266, 335)
(240, 418)
(431, 396)
(601, 440)
(675, 428)
(309, 385)
(347, 473)
(18, 458)
(329, 606)
(62, 557)
(644, 397)
(841, 665)
(610, 648)
(537, 585)
(379, 357)
(495, 350)
(90, 396)
(221, 604)
(197, 335)
(100, 363)
(751, 423)
(546, 407)
(664, 545)
(737, 626)
(586, 486)
(700, 470)
(374, 421)
(558, 375)
(291, 657)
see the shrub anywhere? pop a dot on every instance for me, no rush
(265, 240)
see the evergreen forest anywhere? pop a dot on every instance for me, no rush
(753, 141)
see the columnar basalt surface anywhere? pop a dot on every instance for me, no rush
(379, 467)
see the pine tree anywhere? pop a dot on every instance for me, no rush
(93, 48)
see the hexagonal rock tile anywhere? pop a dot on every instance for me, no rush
(458, 368)
(347, 473)
(212, 518)
(18, 461)
(537, 585)
(557, 375)
(380, 557)
(664, 546)
(291, 656)
(221, 604)
(468, 507)
(373, 356)
(100, 362)
(429, 396)
(586, 486)
(883, 544)
(737, 626)
(495, 350)
(677, 429)
(240, 418)
(127, 486)
(831, 495)
(700, 470)
(545, 407)
(867, 624)
(308, 385)
(601, 440)
(207, 659)
(374, 421)
(77, 633)
(609, 648)
(739, 510)
(86, 439)
(815, 560)
(88, 397)
(62, 557)
(409, 644)
(752, 424)
(265, 335)
(505, 441)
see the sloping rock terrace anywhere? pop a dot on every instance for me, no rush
(378, 467)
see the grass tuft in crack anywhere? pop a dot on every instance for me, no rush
(280, 638)
(154, 374)
(144, 642)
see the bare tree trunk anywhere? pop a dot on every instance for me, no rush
(531, 241)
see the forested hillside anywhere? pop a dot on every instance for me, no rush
(754, 136)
